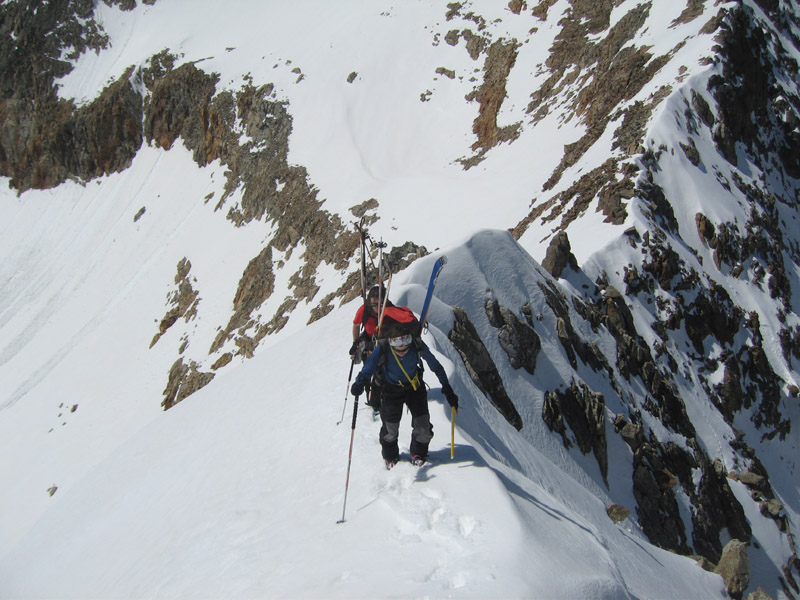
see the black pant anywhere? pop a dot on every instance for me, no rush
(393, 398)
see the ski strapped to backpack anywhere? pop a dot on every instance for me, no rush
(437, 269)
(382, 269)
(383, 295)
(363, 236)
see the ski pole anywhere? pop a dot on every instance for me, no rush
(452, 432)
(381, 246)
(349, 458)
(349, 377)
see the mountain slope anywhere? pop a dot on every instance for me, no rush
(237, 493)
(183, 194)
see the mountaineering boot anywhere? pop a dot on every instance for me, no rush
(417, 461)
(390, 464)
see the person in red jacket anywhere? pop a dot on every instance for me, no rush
(364, 327)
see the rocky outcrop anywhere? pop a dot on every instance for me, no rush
(399, 257)
(45, 140)
(762, 388)
(573, 344)
(519, 341)
(657, 507)
(481, 367)
(43, 145)
(658, 470)
(183, 381)
(711, 314)
(104, 137)
(500, 59)
(559, 256)
(184, 104)
(729, 398)
(179, 107)
(759, 594)
(745, 91)
(183, 301)
(608, 68)
(756, 479)
(617, 512)
(717, 509)
(500, 56)
(255, 286)
(584, 412)
(30, 60)
(734, 567)
(576, 199)
(632, 434)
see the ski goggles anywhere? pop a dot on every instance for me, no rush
(403, 340)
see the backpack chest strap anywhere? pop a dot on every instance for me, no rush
(413, 381)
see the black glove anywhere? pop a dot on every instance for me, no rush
(358, 388)
(353, 348)
(450, 395)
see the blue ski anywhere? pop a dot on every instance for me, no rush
(437, 268)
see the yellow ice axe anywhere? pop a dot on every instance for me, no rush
(452, 432)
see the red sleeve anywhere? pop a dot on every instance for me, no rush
(371, 325)
(359, 315)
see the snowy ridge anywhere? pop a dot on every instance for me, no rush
(235, 492)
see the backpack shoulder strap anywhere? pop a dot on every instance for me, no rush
(384, 345)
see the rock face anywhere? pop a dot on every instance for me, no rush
(255, 286)
(718, 509)
(519, 341)
(481, 367)
(609, 69)
(33, 120)
(184, 301)
(491, 94)
(184, 380)
(559, 256)
(734, 567)
(584, 412)
(180, 107)
(657, 506)
(500, 58)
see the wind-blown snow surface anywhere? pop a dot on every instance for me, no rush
(236, 491)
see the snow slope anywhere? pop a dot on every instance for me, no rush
(236, 492)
